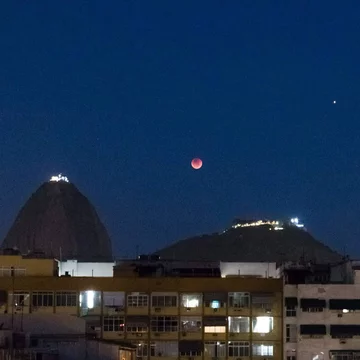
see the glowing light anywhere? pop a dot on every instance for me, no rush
(90, 299)
(58, 178)
(334, 102)
(345, 311)
(193, 303)
(263, 324)
(256, 223)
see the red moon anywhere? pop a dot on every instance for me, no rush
(196, 163)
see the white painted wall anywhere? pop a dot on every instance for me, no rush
(319, 348)
(247, 269)
(85, 269)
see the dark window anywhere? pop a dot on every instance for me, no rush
(312, 305)
(164, 301)
(341, 304)
(114, 323)
(66, 299)
(164, 324)
(312, 329)
(344, 331)
(44, 299)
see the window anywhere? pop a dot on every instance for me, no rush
(137, 324)
(312, 305)
(164, 324)
(164, 348)
(89, 299)
(239, 348)
(164, 301)
(191, 348)
(136, 328)
(239, 299)
(263, 324)
(140, 300)
(262, 301)
(262, 350)
(8, 271)
(313, 309)
(190, 324)
(142, 349)
(291, 333)
(239, 324)
(215, 349)
(115, 300)
(191, 300)
(290, 311)
(214, 329)
(66, 299)
(19, 298)
(42, 299)
(114, 323)
(344, 355)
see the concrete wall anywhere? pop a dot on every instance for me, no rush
(261, 269)
(85, 269)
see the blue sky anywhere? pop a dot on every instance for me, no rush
(121, 95)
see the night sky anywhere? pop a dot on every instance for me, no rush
(121, 95)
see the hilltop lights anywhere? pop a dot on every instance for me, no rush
(276, 225)
(58, 178)
(295, 222)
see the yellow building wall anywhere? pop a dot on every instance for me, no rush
(176, 285)
(32, 267)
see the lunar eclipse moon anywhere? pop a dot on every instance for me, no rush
(196, 163)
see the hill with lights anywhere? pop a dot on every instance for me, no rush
(59, 221)
(254, 241)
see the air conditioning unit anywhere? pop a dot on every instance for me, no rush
(156, 334)
(231, 334)
(190, 358)
(340, 315)
(183, 333)
(157, 309)
(214, 334)
(137, 334)
(215, 310)
(342, 341)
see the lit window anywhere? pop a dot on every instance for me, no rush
(215, 304)
(263, 324)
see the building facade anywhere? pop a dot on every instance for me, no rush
(322, 313)
(166, 318)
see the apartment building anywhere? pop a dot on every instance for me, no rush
(322, 312)
(194, 315)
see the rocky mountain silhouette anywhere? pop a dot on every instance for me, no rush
(59, 221)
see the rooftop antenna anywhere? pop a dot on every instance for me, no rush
(136, 251)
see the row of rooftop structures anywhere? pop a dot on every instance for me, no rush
(154, 309)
